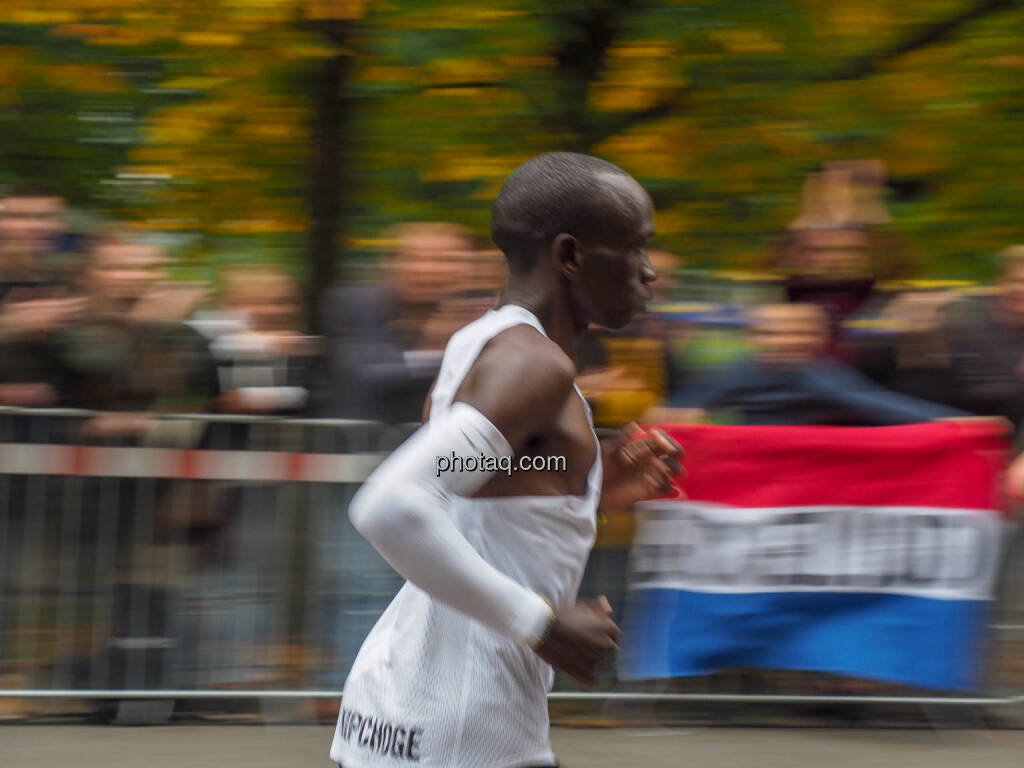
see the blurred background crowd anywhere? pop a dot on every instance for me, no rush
(95, 321)
(280, 209)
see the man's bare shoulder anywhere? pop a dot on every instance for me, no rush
(520, 380)
(523, 352)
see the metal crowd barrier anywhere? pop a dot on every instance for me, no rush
(212, 557)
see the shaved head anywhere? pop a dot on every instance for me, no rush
(563, 192)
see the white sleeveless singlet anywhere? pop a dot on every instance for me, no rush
(435, 688)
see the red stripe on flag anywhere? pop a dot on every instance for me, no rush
(940, 464)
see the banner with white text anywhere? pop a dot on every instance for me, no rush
(868, 552)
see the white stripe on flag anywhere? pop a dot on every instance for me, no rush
(931, 552)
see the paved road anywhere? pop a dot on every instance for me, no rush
(257, 746)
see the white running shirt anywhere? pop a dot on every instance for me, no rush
(432, 687)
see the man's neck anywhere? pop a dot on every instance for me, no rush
(549, 304)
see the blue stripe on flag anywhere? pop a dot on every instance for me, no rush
(911, 640)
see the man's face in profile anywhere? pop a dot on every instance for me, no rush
(616, 275)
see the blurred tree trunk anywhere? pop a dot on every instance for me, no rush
(590, 30)
(328, 150)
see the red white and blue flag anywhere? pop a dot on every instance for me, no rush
(869, 552)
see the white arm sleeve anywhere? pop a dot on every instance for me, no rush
(403, 511)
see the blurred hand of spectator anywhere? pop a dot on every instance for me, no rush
(233, 401)
(117, 424)
(36, 317)
(28, 395)
(917, 319)
(918, 312)
(169, 303)
(255, 400)
(292, 343)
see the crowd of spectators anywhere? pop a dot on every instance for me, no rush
(95, 322)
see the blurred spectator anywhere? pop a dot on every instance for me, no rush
(844, 193)
(965, 350)
(263, 362)
(263, 366)
(384, 350)
(132, 353)
(476, 278)
(34, 305)
(34, 297)
(830, 268)
(790, 382)
(385, 338)
(33, 238)
(985, 337)
(836, 250)
(904, 347)
(128, 355)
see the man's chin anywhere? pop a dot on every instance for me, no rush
(616, 323)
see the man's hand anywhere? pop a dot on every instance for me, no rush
(581, 641)
(638, 470)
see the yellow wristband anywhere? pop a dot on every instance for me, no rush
(547, 629)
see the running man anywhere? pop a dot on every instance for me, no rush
(455, 674)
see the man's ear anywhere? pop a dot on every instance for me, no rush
(566, 254)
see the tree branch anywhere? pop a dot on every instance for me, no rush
(455, 85)
(580, 57)
(618, 123)
(930, 34)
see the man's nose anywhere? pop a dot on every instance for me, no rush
(647, 273)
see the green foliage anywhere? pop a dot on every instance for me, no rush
(720, 107)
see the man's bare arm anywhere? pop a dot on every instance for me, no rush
(519, 383)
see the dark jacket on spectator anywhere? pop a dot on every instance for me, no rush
(987, 355)
(372, 371)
